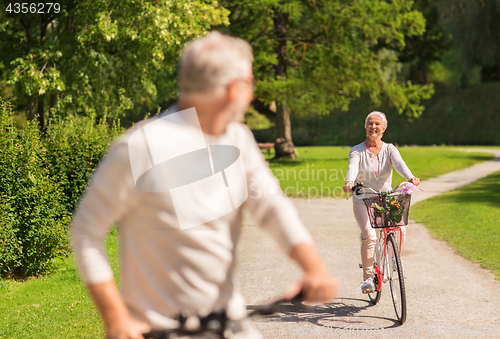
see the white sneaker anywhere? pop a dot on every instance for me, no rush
(367, 286)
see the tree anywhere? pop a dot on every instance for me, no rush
(98, 57)
(422, 50)
(315, 55)
(473, 27)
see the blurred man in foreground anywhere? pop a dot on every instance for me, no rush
(177, 185)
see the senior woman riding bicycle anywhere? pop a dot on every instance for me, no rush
(371, 162)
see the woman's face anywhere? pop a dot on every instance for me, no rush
(375, 127)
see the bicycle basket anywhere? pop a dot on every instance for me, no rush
(388, 210)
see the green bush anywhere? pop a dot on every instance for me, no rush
(33, 223)
(75, 146)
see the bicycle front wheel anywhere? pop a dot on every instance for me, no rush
(396, 278)
(375, 295)
(377, 277)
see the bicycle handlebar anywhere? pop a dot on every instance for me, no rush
(272, 308)
(359, 186)
(216, 323)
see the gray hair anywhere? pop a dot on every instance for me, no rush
(214, 61)
(380, 114)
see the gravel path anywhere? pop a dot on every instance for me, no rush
(447, 295)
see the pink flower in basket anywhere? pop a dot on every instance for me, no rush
(408, 188)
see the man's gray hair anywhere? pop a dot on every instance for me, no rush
(213, 61)
(380, 114)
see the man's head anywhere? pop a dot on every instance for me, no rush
(218, 66)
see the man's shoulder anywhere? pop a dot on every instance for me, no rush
(238, 126)
(239, 131)
(125, 140)
(128, 144)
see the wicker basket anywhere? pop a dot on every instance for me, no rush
(388, 210)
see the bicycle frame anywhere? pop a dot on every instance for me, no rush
(381, 255)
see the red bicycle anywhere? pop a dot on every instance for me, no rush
(388, 211)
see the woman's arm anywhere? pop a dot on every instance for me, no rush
(400, 166)
(352, 170)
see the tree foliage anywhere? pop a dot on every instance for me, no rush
(422, 50)
(473, 27)
(101, 57)
(313, 56)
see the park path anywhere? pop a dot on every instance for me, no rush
(444, 290)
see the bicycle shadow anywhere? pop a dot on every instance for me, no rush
(342, 310)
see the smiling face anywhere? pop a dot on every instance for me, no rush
(375, 127)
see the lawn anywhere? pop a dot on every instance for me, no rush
(321, 171)
(468, 219)
(58, 305)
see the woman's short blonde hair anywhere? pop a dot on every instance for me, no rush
(380, 114)
(213, 61)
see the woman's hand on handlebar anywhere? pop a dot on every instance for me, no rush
(415, 181)
(348, 187)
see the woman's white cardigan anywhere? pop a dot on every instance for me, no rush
(361, 167)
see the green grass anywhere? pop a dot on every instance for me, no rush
(468, 219)
(58, 305)
(55, 306)
(478, 147)
(321, 171)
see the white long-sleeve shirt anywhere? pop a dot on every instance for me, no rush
(165, 269)
(361, 167)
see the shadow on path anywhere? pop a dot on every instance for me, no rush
(341, 314)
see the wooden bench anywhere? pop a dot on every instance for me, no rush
(267, 146)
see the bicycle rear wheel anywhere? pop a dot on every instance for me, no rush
(396, 278)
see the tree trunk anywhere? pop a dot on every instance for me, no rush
(70, 27)
(423, 70)
(43, 29)
(283, 145)
(41, 98)
(41, 112)
(52, 102)
(31, 102)
(30, 107)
